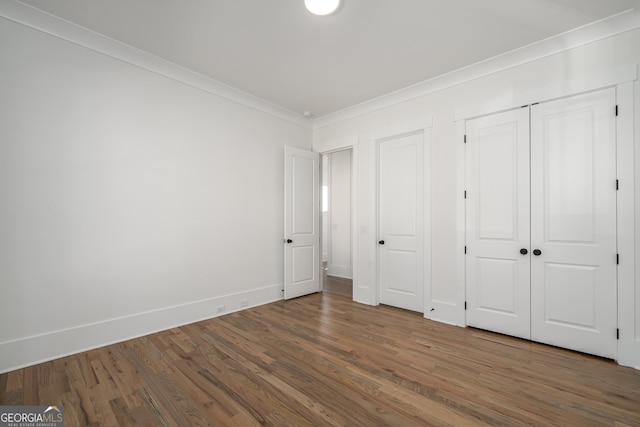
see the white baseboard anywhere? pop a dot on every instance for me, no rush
(447, 313)
(338, 271)
(31, 350)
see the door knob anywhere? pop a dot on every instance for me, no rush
(289, 241)
(523, 251)
(381, 242)
(537, 252)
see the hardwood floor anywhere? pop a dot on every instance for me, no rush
(324, 360)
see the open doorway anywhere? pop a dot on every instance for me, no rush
(337, 227)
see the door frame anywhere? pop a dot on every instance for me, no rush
(628, 344)
(352, 204)
(628, 306)
(354, 214)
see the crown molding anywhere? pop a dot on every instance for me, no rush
(608, 27)
(587, 81)
(21, 13)
(26, 15)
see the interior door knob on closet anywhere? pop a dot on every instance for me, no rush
(537, 252)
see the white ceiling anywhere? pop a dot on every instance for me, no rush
(276, 50)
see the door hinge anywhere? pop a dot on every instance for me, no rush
(465, 139)
(618, 333)
(465, 194)
(617, 184)
(465, 249)
(617, 259)
(616, 111)
(465, 305)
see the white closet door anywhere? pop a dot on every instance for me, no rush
(573, 199)
(497, 183)
(401, 222)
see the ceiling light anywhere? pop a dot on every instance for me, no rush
(322, 7)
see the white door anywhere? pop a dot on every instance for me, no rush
(573, 199)
(400, 232)
(301, 223)
(498, 262)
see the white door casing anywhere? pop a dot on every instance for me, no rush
(497, 223)
(573, 199)
(400, 227)
(301, 223)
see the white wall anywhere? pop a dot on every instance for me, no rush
(581, 68)
(339, 177)
(130, 202)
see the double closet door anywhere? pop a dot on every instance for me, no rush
(541, 223)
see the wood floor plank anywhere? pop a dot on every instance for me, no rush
(325, 360)
(30, 390)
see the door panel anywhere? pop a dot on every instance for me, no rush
(497, 293)
(497, 182)
(573, 197)
(301, 228)
(401, 222)
(303, 264)
(563, 282)
(304, 178)
(568, 158)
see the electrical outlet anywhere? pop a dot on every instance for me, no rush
(221, 308)
(244, 303)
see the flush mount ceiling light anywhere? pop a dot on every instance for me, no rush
(322, 7)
